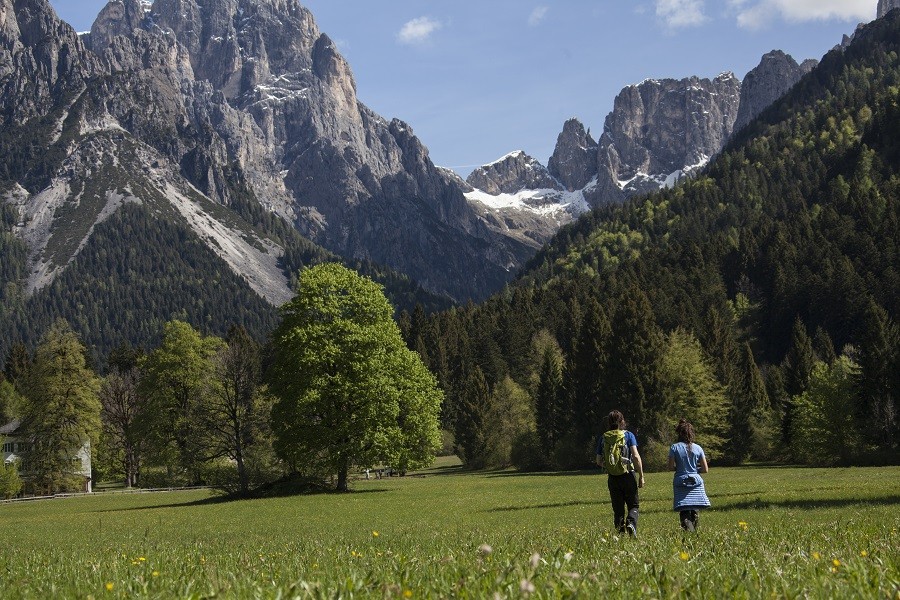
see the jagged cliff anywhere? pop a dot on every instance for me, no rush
(886, 6)
(238, 98)
(775, 75)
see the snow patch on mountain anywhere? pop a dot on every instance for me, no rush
(544, 202)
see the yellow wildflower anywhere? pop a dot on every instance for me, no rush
(863, 553)
(407, 593)
(684, 556)
(836, 562)
(816, 556)
(375, 534)
(109, 586)
(155, 573)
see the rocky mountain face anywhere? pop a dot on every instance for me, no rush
(886, 6)
(240, 103)
(658, 132)
(775, 75)
(519, 198)
(512, 173)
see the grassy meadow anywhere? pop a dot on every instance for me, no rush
(773, 532)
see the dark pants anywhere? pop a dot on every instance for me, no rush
(623, 490)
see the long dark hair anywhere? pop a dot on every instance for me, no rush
(685, 432)
(615, 420)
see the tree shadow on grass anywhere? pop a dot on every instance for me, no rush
(757, 504)
(550, 505)
(575, 473)
(761, 503)
(448, 470)
(229, 498)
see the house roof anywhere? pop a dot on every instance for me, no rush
(10, 427)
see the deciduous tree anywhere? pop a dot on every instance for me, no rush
(349, 392)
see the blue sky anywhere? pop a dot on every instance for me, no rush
(479, 79)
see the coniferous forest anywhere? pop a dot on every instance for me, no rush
(758, 299)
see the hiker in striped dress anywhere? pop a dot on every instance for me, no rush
(688, 460)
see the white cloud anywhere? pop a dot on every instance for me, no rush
(537, 15)
(759, 13)
(418, 31)
(681, 13)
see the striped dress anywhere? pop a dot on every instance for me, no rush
(687, 485)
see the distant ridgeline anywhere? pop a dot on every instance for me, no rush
(740, 288)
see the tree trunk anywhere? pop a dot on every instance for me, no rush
(242, 472)
(342, 478)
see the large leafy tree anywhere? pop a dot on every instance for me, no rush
(349, 392)
(694, 393)
(824, 431)
(60, 409)
(236, 416)
(121, 410)
(176, 380)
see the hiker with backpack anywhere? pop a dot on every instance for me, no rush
(617, 453)
(689, 492)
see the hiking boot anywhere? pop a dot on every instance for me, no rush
(687, 525)
(631, 529)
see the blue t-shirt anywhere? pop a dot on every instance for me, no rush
(630, 441)
(686, 459)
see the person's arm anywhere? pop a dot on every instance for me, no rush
(599, 461)
(636, 459)
(703, 467)
(671, 463)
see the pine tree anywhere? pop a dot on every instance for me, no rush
(471, 419)
(823, 346)
(635, 366)
(551, 414)
(797, 366)
(753, 430)
(61, 411)
(588, 371)
(879, 344)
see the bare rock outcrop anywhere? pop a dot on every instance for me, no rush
(776, 73)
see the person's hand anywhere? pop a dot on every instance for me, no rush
(641, 482)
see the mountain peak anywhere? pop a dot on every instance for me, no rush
(511, 173)
(574, 160)
(886, 6)
(776, 73)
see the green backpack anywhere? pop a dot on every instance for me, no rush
(616, 455)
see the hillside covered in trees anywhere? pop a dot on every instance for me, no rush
(143, 267)
(758, 299)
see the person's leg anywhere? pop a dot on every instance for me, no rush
(695, 517)
(617, 497)
(687, 520)
(632, 500)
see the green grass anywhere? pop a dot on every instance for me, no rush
(773, 532)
